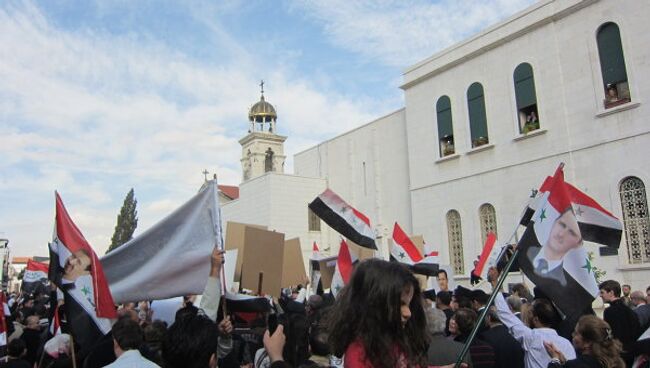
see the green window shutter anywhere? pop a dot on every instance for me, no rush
(443, 112)
(476, 107)
(610, 51)
(524, 86)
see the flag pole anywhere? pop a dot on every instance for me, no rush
(481, 318)
(495, 290)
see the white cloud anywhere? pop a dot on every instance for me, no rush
(93, 114)
(402, 32)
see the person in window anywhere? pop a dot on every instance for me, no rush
(612, 93)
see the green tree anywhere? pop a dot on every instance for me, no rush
(127, 221)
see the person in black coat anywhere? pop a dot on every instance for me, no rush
(623, 321)
(507, 351)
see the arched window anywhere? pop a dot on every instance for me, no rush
(635, 218)
(455, 242)
(477, 117)
(268, 161)
(488, 217)
(526, 98)
(612, 65)
(313, 220)
(445, 127)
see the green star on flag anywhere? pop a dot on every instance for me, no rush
(542, 215)
(588, 265)
(85, 290)
(401, 254)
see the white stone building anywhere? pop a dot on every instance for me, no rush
(484, 122)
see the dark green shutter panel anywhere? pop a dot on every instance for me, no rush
(476, 107)
(610, 50)
(524, 86)
(443, 109)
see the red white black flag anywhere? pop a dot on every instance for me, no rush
(344, 265)
(344, 218)
(76, 270)
(35, 277)
(552, 254)
(404, 251)
(596, 224)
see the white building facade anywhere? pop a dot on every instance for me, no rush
(484, 122)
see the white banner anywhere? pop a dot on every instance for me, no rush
(173, 257)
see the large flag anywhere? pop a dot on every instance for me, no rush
(173, 257)
(344, 218)
(489, 256)
(75, 269)
(344, 264)
(552, 254)
(596, 224)
(35, 277)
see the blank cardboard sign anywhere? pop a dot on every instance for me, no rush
(264, 254)
(327, 266)
(361, 252)
(293, 265)
(235, 240)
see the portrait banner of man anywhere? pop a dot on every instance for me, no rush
(76, 270)
(552, 253)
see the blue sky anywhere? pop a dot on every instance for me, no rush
(100, 96)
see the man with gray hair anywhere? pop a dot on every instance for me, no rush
(442, 351)
(514, 303)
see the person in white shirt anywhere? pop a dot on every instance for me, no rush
(127, 338)
(532, 337)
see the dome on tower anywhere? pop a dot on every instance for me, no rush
(262, 111)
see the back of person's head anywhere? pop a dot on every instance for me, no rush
(514, 302)
(368, 310)
(492, 317)
(443, 297)
(155, 332)
(479, 296)
(190, 342)
(296, 331)
(16, 348)
(465, 319)
(611, 286)
(436, 321)
(604, 346)
(127, 333)
(543, 310)
(638, 297)
(189, 310)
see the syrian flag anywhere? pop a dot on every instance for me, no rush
(489, 256)
(596, 224)
(344, 218)
(35, 277)
(551, 251)
(3, 320)
(403, 250)
(343, 270)
(247, 303)
(76, 270)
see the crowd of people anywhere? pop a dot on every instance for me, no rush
(381, 319)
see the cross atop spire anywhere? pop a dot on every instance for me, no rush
(205, 174)
(262, 86)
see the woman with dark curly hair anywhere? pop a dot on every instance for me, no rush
(378, 320)
(596, 346)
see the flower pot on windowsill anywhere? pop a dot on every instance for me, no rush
(448, 151)
(480, 141)
(530, 126)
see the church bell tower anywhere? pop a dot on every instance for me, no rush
(262, 147)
